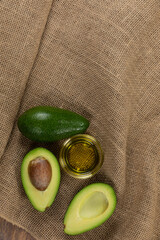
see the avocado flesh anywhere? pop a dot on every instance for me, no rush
(91, 207)
(41, 199)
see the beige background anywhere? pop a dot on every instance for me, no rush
(99, 59)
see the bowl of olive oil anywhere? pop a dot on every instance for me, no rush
(81, 156)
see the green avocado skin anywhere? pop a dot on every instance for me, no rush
(48, 124)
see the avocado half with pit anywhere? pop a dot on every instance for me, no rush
(40, 174)
(91, 207)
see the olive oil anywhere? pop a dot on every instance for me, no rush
(82, 156)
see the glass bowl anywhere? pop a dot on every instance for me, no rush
(81, 156)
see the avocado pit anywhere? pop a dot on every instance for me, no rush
(40, 173)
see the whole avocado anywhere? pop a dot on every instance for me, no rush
(48, 124)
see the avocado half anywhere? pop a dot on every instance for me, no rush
(91, 207)
(40, 174)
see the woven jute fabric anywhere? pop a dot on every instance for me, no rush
(101, 60)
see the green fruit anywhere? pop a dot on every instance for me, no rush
(91, 207)
(47, 124)
(40, 174)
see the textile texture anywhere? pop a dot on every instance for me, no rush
(101, 60)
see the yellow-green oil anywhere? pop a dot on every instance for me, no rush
(81, 156)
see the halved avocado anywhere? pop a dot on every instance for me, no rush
(40, 174)
(91, 207)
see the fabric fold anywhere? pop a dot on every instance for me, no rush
(22, 25)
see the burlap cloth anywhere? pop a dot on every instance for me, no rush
(99, 58)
